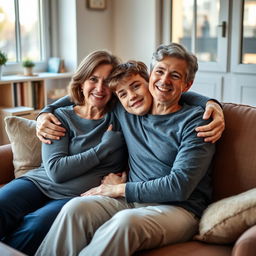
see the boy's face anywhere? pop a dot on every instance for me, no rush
(134, 95)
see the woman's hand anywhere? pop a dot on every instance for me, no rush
(213, 131)
(48, 128)
(114, 178)
(107, 190)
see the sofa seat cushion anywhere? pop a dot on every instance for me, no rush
(225, 220)
(192, 248)
(26, 147)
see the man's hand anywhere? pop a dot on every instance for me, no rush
(48, 128)
(107, 190)
(114, 178)
(213, 131)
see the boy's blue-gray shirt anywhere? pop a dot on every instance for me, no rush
(168, 162)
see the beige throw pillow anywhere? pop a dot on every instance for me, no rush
(225, 220)
(26, 147)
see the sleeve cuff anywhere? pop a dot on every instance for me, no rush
(131, 194)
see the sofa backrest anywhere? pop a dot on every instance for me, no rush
(235, 159)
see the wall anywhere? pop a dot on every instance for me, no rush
(94, 28)
(81, 31)
(136, 32)
(127, 28)
(67, 33)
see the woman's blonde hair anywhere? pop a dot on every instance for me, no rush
(85, 70)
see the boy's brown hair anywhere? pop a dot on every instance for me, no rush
(126, 70)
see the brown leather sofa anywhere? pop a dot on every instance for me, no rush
(234, 172)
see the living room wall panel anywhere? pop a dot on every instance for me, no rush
(210, 85)
(244, 89)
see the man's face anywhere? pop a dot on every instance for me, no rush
(134, 95)
(168, 81)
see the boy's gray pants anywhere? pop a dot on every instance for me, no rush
(98, 225)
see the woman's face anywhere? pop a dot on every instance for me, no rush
(95, 90)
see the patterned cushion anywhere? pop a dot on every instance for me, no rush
(26, 147)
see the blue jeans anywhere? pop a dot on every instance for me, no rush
(26, 214)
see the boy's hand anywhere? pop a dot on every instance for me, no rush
(110, 128)
(48, 128)
(114, 178)
(213, 131)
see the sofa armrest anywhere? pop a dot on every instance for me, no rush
(6, 164)
(246, 243)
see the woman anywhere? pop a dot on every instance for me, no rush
(91, 148)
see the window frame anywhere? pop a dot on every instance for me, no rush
(236, 50)
(221, 64)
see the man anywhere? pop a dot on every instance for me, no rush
(169, 177)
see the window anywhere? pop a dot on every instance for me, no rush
(22, 30)
(222, 34)
(204, 26)
(243, 55)
(249, 32)
(200, 25)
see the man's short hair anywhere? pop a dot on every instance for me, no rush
(177, 51)
(125, 70)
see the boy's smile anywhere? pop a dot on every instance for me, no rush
(134, 95)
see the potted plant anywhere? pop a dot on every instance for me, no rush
(3, 60)
(28, 67)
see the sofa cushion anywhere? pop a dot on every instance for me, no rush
(26, 147)
(225, 220)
